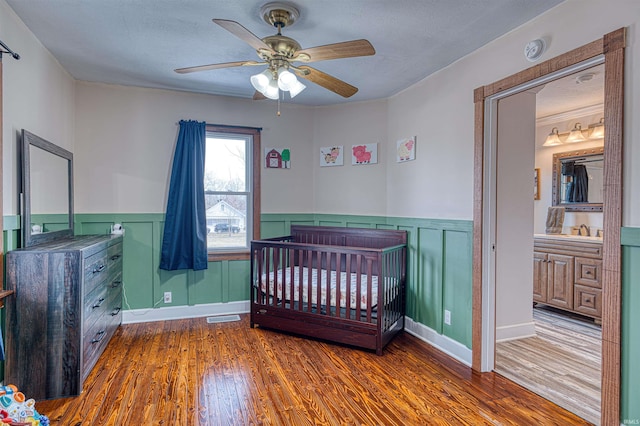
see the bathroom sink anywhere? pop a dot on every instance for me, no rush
(568, 237)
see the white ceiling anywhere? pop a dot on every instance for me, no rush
(141, 42)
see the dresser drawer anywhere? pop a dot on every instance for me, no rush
(114, 257)
(95, 305)
(587, 301)
(95, 270)
(588, 272)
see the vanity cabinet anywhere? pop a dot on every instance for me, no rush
(67, 306)
(567, 274)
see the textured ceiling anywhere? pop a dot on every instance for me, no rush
(141, 42)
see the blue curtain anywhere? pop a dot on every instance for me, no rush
(184, 243)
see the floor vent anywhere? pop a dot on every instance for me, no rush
(223, 318)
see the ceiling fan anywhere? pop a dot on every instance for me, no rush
(279, 53)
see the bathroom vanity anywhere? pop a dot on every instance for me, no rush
(567, 273)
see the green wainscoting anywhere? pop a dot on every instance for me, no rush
(438, 274)
(630, 386)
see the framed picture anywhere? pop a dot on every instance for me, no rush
(331, 156)
(406, 150)
(536, 184)
(277, 158)
(364, 154)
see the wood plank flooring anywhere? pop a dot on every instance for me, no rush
(562, 363)
(191, 373)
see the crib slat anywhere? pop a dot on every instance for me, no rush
(369, 287)
(338, 269)
(358, 287)
(310, 278)
(348, 297)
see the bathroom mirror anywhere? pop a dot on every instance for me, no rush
(47, 191)
(578, 180)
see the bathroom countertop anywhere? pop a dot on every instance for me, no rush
(566, 237)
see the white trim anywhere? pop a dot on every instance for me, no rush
(515, 332)
(180, 312)
(443, 343)
(568, 115)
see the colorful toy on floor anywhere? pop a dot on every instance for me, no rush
(16, 410)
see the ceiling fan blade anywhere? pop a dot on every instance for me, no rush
(217, 66)
(346, 49)
(243, 34)
(257, 96)
(325, 80)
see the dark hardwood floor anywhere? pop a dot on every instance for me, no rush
(188, 372)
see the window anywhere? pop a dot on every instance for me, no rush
(232, 190)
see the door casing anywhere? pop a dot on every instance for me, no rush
(610, 51)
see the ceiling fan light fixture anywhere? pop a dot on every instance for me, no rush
(296, 88)
(261, 81)
(576, 134)
(271, 91)
(286, 79)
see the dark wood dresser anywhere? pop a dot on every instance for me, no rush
(67, 305)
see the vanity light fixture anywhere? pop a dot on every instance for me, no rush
(597, 130)
(553, 138)
(576, 134)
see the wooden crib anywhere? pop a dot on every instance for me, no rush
(345, 285)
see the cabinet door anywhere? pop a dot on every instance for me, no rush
(560, 281)
(539, 277)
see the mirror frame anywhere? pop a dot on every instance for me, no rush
(557, 172)
(29, 239)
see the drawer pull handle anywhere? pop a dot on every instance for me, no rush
(116, 311)
(99, 336)
(115, 284)
(97, 305)
(115, 257)
(99, 269)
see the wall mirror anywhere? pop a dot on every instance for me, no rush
(578, 180)
(47, 191)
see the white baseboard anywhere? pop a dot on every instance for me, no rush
(179, 312)
(445, 344)
(515, 332)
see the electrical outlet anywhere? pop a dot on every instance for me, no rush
(167, 297)
(447, 317)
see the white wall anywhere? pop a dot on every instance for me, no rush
(439, 109)
(38, 95)
(352, 189)
(126, 138)
(514, 216)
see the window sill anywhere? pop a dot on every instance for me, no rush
(220, 256)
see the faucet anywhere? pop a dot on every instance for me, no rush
(584, 231)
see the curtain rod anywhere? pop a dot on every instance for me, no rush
(227, 126)
(7, 50)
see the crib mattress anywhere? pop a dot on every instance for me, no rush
(268, 287)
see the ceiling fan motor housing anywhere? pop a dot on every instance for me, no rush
(279, 14)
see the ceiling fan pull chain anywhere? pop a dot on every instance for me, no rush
(279, 104)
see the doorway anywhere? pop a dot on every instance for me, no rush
(548, 337)
(610, 51)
